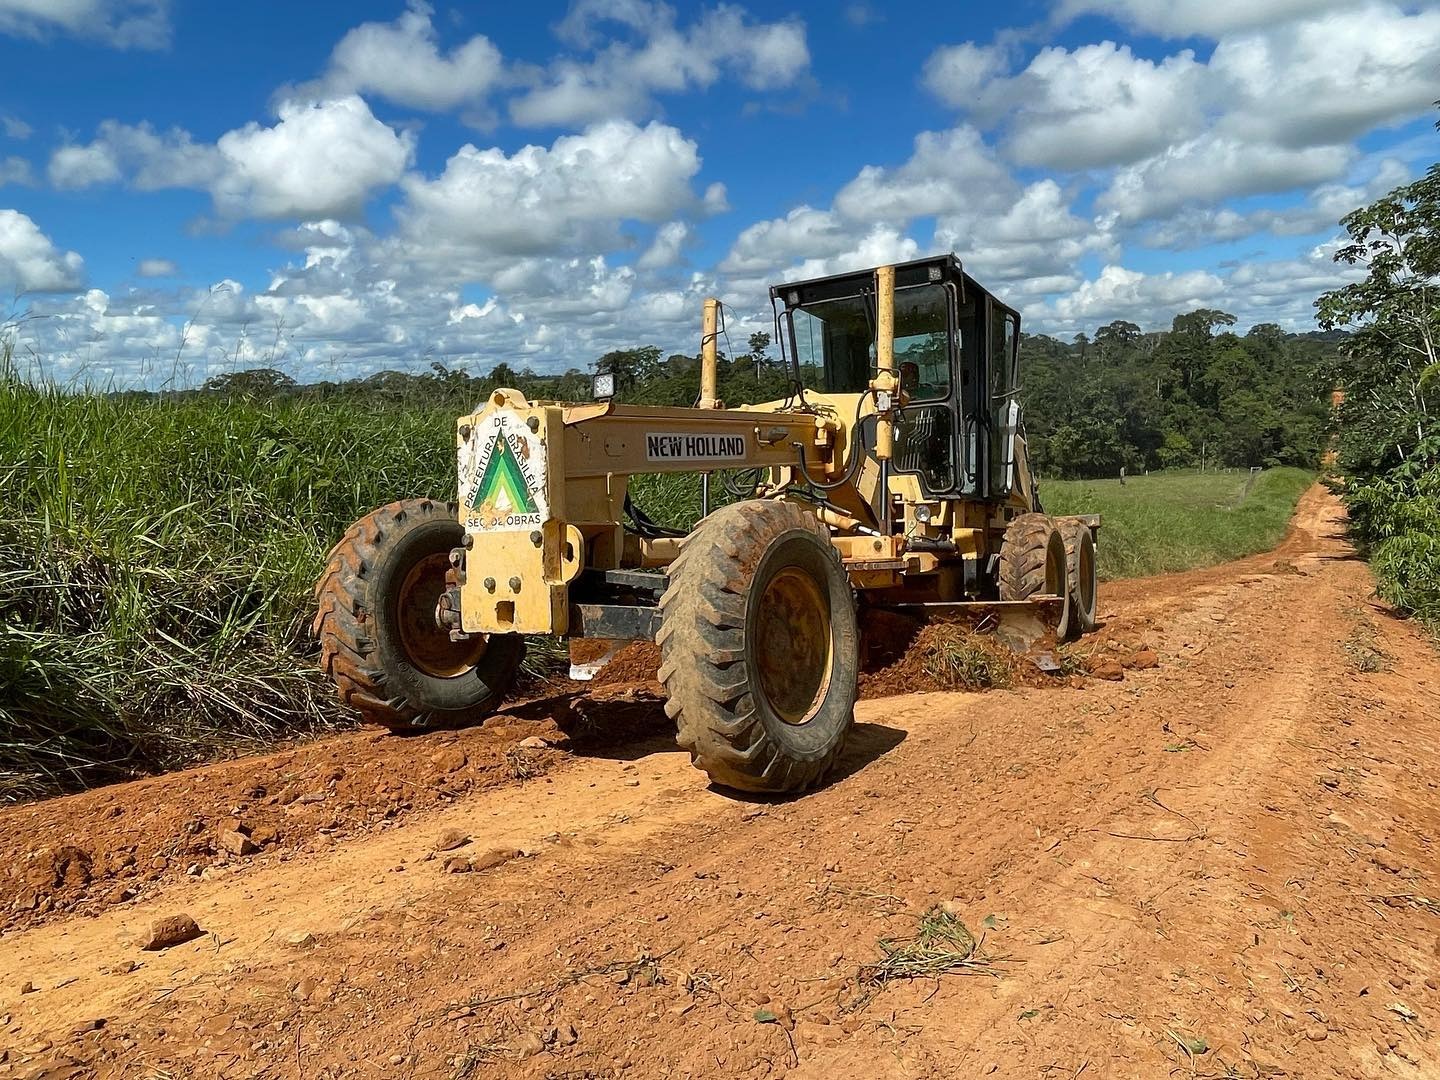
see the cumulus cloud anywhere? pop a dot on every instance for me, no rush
(1329, 77)
(125, 24)
(402, 62)
(622, 78)
(1320, 211)
(569, 196)
(1269, 85)
(321, 159)
(947, 171)
(664, 250)
(30, 261)
(1210, 168)
(1198, 18)
(1118, 293)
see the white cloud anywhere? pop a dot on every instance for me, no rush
(664, 250)
(1092, 106)
(1201, 18)
(1321, 211)
(83, 166)
(947, 172)
(959, 74)
(30, 261)
(1330, 77)
(16, 170)
(622, 78)
(569, 196)
(156, 268)
(803, 232)
(1146, 299)
(140, 24)
(1074, 109)
(1269, 85)
(1211, 168)
(320, 159)
(15, 128)
(402, 62)
(1032, 247)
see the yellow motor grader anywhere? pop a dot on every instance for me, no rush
(894, 475)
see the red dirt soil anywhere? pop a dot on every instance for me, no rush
(1220, 866)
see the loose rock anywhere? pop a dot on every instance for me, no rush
(235, 842)
(1145, 658)
(1110, 670)
(170, 931)
(452, 759)
(451, 839)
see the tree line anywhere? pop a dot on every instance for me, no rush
(1196, 395)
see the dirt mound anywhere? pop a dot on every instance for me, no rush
(119, 843)
(637, 662)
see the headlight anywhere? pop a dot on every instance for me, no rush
(602, 386)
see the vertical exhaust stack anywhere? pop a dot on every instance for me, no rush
(709, 379)
(885, 385)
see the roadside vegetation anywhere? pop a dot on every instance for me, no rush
(1388, 445)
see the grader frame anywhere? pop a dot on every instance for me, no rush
(909, 494)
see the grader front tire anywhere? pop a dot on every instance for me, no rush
(378, 638)
(1032, 563)
(760, 648)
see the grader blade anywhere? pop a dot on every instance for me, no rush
(1029, 628)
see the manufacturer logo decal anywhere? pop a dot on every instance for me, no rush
(662, 446)
(502, 475)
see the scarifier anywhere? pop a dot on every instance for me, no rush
(894, 476)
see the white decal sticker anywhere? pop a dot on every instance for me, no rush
(502, 475)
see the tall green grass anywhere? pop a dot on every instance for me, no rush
(156, 560)
(1172, 521)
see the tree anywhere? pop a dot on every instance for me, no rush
(253, 382)
(1390, 368)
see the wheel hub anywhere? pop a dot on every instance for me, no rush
(426, 643)
(794, 651)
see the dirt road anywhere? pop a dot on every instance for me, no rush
(1222, 866)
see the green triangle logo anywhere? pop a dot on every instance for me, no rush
(503, 486)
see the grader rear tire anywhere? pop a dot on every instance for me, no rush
(378, 637)
(760, 648)
(1032, 563)
(1080, 570)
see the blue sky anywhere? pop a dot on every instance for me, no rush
(334, 189)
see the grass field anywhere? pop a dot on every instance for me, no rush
(1178, 520)
(157, 556)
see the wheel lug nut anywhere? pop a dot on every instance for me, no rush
(489, 584)
(515, 584)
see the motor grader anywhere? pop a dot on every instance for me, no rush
(893, 476)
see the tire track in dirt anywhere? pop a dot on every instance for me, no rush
(1285, 925)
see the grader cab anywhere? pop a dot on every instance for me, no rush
(893, 476)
